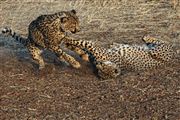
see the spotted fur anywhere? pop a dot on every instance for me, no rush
(110, 61)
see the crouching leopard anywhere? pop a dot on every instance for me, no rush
(47, 32)
(110, 61)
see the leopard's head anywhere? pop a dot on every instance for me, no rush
(70, 22)
(107, 70)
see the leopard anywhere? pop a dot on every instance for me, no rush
(110, 62)
(47, 32)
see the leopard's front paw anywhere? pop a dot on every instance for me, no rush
(85, 57)
(76, 64)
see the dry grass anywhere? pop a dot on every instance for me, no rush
(60, 92)
(117, 17)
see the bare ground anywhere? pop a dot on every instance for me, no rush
(61, 92)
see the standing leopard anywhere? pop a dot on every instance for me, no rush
(47, 32)
(110, 61)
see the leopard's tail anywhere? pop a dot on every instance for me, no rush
(83, 44)
(91, 48)
(9, 32)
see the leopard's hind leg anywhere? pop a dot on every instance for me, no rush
(152, 40)
(158, 49)
(36, 55)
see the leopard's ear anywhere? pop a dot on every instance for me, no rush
(73, 11)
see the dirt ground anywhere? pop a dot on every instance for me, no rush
(61, 92)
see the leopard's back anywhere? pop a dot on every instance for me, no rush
(138, 58)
